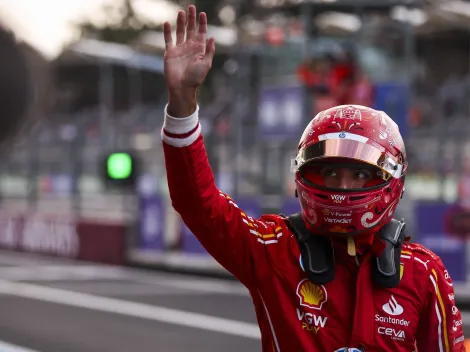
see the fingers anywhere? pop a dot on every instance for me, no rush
(167, 35)
(180, 30)
(210, 51)
(191, 27)
(201, 34)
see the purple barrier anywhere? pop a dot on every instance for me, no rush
(250, 206)
(290, 206)
(151, 223)
(192, 245)
(62, 236)
(431, 231)
(393, 98)
(281, 111)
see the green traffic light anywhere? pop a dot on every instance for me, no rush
(119, 166)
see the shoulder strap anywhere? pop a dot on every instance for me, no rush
(316, 252)
(386, 271)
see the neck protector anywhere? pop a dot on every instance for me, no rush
(319, 260)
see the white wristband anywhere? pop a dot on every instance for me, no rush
(181, 132)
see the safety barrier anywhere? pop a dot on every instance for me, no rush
(63, 236)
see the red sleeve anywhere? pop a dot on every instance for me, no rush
(224, 230)
(440, 328)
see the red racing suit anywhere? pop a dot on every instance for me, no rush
(293, 313)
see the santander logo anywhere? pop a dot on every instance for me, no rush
(392, 307)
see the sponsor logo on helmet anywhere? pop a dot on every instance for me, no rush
(348, 349)
(342, 135)
(339, 214)
(338, 221)
(337, 198)
(311, 295)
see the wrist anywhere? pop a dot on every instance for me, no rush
(182, 103)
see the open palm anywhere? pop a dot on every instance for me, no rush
(188, 62)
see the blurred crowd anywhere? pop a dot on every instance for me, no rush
(335, 80)
(338, 79)
(449, 102)
(84, 113)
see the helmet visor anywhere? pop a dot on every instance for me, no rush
(341, 173)
(350, 149)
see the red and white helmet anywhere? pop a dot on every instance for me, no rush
(357, 134)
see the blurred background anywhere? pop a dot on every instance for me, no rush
(88, 181)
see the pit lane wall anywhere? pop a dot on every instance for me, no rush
(63, 236)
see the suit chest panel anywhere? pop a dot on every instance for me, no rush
(323, 312)
(398, 310)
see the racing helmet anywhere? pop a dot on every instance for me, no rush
(350, 137)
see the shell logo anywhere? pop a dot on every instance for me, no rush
(311, 295)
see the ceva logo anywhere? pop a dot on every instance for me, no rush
(394, 334)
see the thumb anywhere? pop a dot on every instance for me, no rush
(210, 51)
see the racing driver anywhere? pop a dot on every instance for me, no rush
(338, 276)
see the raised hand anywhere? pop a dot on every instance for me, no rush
(187, 62)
